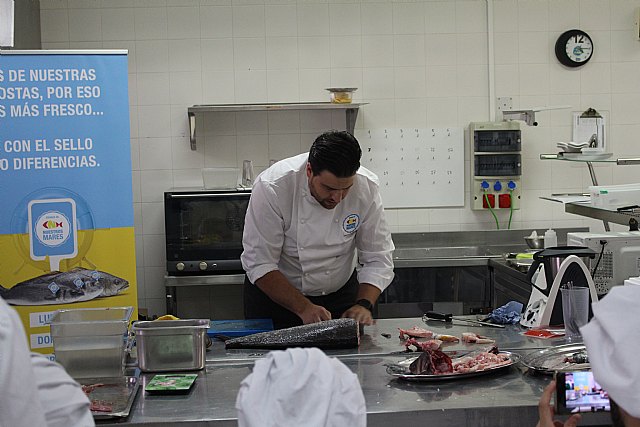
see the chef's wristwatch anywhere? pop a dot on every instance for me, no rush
(365, 303)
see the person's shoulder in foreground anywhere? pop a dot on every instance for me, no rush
(36, 391)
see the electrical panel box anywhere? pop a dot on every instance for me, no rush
(496, 165)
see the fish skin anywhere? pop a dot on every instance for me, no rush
(329, 334)
(76, 285)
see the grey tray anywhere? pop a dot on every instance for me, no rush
(397, 371)
(119, 392)
(550, 360)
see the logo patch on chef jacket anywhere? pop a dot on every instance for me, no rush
(351, 223)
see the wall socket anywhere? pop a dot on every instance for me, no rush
(505, 103)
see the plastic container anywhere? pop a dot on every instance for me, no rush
(575, 310)
(550, 238)
(220, 178)
(171, 345)
(90, 342)
(342, 95)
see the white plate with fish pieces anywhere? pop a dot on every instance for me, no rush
(558, 358)
(401, 369)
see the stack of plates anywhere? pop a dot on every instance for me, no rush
(572, 147)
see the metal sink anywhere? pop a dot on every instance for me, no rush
(445, 252)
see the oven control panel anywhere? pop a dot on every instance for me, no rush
(195, 267)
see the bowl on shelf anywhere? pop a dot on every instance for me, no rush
(341, 95)
(535, 242)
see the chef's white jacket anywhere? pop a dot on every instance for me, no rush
(286, 229)
(35, 391)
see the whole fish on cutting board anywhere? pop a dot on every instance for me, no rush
(329, 334)
(76, 285)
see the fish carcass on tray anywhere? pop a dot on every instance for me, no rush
(431, 362)
(436, 362)
(76, 285)
(335, 333)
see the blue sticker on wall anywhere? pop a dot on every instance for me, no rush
(351, 223)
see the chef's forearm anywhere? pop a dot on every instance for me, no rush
(278, 288)
(368, 292)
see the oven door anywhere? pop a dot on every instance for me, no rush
(204, 231)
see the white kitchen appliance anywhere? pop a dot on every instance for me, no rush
(552, 269)
(617, 259)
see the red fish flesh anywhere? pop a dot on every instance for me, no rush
(470, 337)
(423, 345)
(415, 332)
(101, 406)
(480, 362)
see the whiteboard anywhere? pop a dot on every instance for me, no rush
(417, 168)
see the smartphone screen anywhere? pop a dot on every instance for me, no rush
(577, 391)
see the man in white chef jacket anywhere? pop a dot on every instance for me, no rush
(35, 391)
(316, 242)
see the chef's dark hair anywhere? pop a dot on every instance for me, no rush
(335, 151)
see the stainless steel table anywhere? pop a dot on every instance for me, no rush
(504, 398)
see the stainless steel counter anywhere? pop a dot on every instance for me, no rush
(503, 398)
(462, 248)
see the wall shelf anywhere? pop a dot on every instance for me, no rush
(351, 112)
(585, 209)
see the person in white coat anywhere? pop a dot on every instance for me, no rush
(35, 391)
(316, 242)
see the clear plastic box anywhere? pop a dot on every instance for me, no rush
(220, 178)
(90, 342)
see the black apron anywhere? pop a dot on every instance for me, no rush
(258, 305)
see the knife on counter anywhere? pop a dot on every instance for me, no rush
(449, 318)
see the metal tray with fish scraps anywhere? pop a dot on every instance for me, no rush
(401, 370)
(558, 358)
(111, 397)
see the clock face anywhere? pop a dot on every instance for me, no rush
(574, 48)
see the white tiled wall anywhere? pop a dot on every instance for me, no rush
(416, 63)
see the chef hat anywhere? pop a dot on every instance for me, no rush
(612, 338)
(300, 387)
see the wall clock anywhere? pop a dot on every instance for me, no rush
(574, 48)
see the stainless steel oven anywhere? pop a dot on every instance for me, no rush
(204, 231)
(203, 245)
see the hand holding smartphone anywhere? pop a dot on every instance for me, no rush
(577, 391)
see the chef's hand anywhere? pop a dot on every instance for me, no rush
(314, 313)
(546, 411)
(359, 313)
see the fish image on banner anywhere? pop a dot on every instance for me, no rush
(76, 285)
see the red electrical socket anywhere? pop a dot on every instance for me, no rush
(504, 201)
(492, 201)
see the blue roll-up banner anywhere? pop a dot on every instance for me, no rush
(66, 210)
